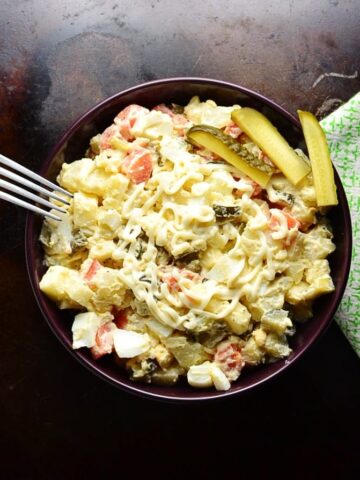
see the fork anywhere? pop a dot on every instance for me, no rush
(33, 186)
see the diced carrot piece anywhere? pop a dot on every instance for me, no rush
(273, 222)
(126, 119)
(164, 109)
(233, 130)
(190, 275)
(292, 222)
(138, 165)
(257, 189)
(228, 357)
(104, 341)
(172, 283)
(94, 267)
(107, 135)
(120, 318)
(131, 113)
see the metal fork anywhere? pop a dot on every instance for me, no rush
(33, 186)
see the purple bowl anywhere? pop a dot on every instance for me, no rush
(73, 144)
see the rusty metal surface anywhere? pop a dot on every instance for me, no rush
(56, 60)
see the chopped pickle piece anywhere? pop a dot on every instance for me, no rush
(230, 150)
(166, 377)
(224, 211)
(263, 133)
(322, 168)
(277, 321)
(186, 353)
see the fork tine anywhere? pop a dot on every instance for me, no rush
(25, 171)
(21, 203)
(33, 186)
(31, 196)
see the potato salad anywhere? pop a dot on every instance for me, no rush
(178, 262)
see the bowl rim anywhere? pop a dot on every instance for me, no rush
(135, 388)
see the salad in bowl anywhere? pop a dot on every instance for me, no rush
(195, 243)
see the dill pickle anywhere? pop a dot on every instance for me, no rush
(234, 146)
(230, 150)
(322, 169)
(263, 133)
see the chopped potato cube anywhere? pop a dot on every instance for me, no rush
(62, 283)
(317, 247)
(318, 269)
(110, 164)
(259, 337)
(102, 249)
(114, 191)
(162, 355)
(295, 270)
(251, 353)
(71, 174)
(239, 319)
(108, 289)
(85, 210)
(318, 282)
(110, 218)
(299, 293)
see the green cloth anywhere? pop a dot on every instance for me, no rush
(342, 129)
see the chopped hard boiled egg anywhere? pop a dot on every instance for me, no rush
(219, 378)
(200, 375)
(129, 344)
(85, 327)
(153, 125)
(206, 375)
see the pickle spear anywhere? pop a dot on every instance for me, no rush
(230, 150)
(322, 169)
(263, 133)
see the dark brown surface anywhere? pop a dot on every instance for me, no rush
(56, 419)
